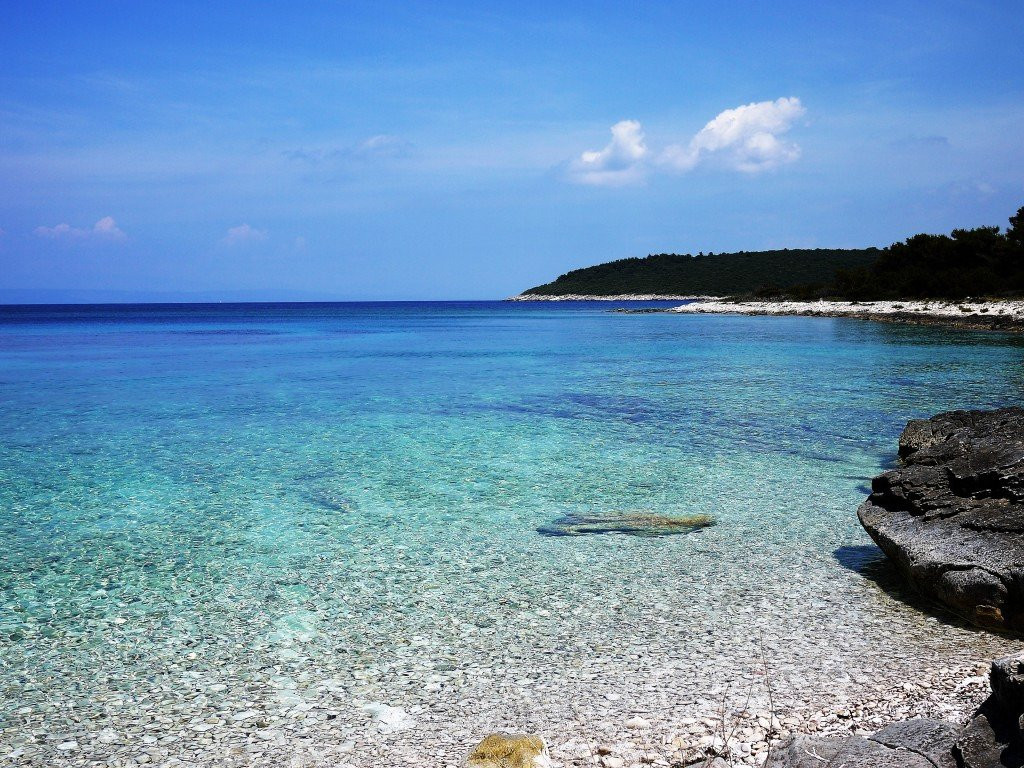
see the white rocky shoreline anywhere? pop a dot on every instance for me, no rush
(1005, 315)
(969, 313)
(618, 297)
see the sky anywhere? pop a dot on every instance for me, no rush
(444, 150)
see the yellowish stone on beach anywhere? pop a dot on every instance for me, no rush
(508, 750)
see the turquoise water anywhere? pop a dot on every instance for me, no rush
(317, 506)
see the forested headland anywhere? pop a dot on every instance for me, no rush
(712, 274)
(979, 262)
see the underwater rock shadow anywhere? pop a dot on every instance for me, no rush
(869, 561)
(328, 499)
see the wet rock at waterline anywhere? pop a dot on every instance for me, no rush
(505, 750)
(629, 523)
(952, 517)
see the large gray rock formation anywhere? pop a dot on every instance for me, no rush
(952, 515)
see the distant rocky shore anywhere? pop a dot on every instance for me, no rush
(970, 315)
(618, 297)
(973, 315)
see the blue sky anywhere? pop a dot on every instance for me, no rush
(465, 150)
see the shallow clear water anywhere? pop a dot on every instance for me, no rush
(317, 506)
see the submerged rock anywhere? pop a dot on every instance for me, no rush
(330, 500)
(629, 523)
(952, 516)
(507, 750)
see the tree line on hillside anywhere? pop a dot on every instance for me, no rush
(710, 274)
(967, 262)
(980, 262)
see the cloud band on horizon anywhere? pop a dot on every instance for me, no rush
(104, 229)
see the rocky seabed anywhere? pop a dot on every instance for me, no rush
(317, 727)
(690, 669)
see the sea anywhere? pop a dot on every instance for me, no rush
(229, 529)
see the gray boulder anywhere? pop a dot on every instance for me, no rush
(929, 738)
(952, 516)
(850, 751)
(920, 743)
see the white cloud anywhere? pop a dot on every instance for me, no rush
(620, 162)
(243, 234)
(747, 138)
(744, 139)
(104, 229)
(383, 145)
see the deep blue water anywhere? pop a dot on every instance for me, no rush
(314, 482)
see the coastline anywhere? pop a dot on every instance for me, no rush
(617, 297)
(1007, 316)
(972, 315)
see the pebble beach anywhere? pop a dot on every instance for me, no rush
(606, 677)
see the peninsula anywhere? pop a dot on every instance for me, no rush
(970, 278)
(685, 276)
